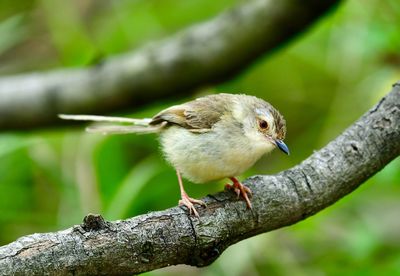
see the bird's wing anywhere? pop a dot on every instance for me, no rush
(198, 116)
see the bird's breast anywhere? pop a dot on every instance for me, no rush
(204, 157)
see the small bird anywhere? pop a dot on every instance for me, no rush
(210, 138)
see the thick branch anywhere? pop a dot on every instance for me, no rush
(201, 55)
(171, 237)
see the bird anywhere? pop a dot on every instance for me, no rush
(207, 139)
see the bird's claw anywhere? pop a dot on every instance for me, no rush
(241, 190)
(188, 202)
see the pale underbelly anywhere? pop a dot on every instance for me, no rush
(207, 157)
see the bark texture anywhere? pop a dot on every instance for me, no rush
(172, 237)
(203, 54)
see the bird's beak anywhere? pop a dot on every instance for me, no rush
(282, 146)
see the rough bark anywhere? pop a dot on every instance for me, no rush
(172, 237)
(203, 54)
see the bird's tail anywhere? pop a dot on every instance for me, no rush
(140, 126)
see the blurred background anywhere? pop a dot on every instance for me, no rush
(322, 82)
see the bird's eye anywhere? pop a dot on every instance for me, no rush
(263, 124)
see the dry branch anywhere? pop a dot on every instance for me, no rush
(172, 237)
(200, 55)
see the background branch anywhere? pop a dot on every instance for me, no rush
(201, 55)
(171, 237)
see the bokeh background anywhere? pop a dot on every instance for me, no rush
(322, 82)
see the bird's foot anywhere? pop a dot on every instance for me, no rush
(188, 202)
(240, 190)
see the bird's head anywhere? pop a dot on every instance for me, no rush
(261, 123)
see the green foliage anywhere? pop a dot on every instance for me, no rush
(321, 82)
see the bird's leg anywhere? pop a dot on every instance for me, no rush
(186, 200)
(240, 189)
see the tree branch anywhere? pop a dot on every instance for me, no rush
(172, 237)
(203, 54)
